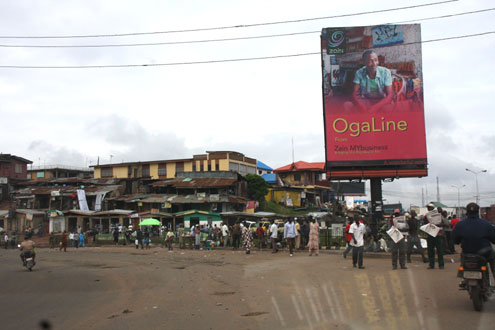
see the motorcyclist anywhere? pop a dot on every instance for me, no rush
(475, 235)
(27, 248)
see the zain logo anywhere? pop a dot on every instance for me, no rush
(336, 39)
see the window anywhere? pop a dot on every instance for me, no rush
(217, 168)
(146, 170)
(297, 177)
(194, 167)
(18, 168)
(234, 167)
(251, 170)
(179, 168)
(162, 170)
(209, 168)
(242, 169)
(201, 168)
(107, 171)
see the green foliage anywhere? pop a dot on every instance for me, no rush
(257, 187)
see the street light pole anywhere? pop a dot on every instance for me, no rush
(458, 196)
(477, 189)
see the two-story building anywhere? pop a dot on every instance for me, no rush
(302, 185)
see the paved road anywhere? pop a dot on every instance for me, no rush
(125, 288)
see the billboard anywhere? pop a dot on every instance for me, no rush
(373, 101)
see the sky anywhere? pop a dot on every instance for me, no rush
(257, 107)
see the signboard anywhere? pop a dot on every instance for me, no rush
(373, 101)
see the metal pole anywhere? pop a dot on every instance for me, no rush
(477, 189)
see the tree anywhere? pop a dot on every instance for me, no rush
(257, 187)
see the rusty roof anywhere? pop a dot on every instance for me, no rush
(196, 183)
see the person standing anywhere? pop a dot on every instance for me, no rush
(147, 239)
(304, 234)
(290, 234)
(399, 247)
(260, 233)
(170, 239)
(434, 242)
(71, 239)
(247, 238)
(273, 237)
(139, 239)
(348, 238)
(181, 237)
(314, 237)
(225, 234)
(357, 230)
(413, 239)
(116, 236)
(236, 235)
(448, 245)
(197, 237)
(6, 240)
(298, 236)
(63, 242)
(81, 240)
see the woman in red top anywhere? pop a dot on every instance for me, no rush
(348, 238)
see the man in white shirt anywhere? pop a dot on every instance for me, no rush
(357, 231)
(273, 237)
(290, 234)
(225, 234)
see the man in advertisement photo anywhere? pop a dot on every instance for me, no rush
(372, 86)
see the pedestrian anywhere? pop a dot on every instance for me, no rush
(314, 237)
(348, 237)
(225, 234)
(81, 240)
(399, 247)
(76, 240)
(116, 236)
(63, 242)
(274, 236)
(71, 239)
(6, 240)
(197, 237)
(147, 239)
(448, 243)
(434, 242)
(260, 233)
(139, 239)
(247, 238)
(79, 230)
(413, 239)
(236, 235)
(357, 230)
(304, 234)
(180, 233)
(298, 236)
(170, 236)
(290, 234)
(163, 236)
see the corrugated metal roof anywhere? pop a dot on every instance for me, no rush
(301, 166)
(263, 166)
(196, 183)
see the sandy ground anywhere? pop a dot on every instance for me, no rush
(125, 288)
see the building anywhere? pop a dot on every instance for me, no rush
(12, 170)
(263, 168)
(50, 172)
(302, 185)
(212, 161)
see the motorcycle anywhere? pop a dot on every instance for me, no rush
(476, 281)
(28, 260)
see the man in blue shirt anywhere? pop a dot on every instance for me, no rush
(475, 235)
(372, 85)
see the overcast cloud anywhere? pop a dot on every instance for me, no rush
(77, 116)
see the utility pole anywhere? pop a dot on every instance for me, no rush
(438, 191)
(477, 189)
(422, 197)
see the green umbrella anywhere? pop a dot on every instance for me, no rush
(150, 222)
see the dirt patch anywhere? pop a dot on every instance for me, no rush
(227, 293)
(254, 313)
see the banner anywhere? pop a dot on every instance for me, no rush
(81, 196)
(373, 96)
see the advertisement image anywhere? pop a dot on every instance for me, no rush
(373, 97)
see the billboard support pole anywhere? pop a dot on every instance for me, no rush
(376, 204)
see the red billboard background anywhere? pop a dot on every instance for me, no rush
(373, 101)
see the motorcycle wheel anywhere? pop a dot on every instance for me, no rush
(477, 298)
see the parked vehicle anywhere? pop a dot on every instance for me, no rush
(475, 275)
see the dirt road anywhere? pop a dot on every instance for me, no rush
(125, 288)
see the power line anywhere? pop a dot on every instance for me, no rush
(231, 26)
(224, 39)
(213, 61)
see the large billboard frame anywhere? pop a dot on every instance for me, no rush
(394, 50)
